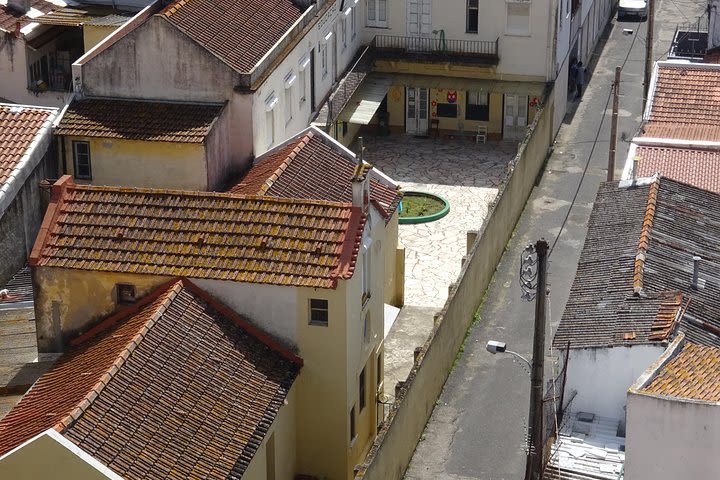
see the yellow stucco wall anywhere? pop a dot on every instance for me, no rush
(44, 457)
(82, 297)
(393, 284)
(94, 34)
(284, 434)
(132, 163)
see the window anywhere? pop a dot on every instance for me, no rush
(323, 60)
(379, 372)
(81, 160)
(343, 33)
(352, 424)
(270, 104)
(362, 390)
(366, 270)
(125, 293)
(39, 71)
(289, 82)
(477, 106)
(377, 13)
(366, 328)
(318, 312)
(518, 19)
(472, 16)
(353, 22)
(304, 72)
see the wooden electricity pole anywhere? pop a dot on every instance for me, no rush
(614, 126)
(533, 468)
(649, 49)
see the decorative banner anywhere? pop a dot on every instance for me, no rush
(452, 96)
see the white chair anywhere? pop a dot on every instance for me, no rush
(481, 134)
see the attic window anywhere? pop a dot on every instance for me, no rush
(125, 293)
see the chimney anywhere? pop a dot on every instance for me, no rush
(697, 283)
(360, 183)
(19, 6)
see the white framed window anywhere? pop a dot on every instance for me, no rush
(81, 160)
(473, 10)
(353, 22)
(518, 18)
(303, 78)
(289, 82)
(376, 13)
(270, 104)
(323, 60)
(477, 106)
(343, 32)
(318, 312)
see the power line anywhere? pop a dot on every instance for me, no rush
(592, 150)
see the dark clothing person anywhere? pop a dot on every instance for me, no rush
(580, 79)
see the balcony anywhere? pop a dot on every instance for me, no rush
(436, 49)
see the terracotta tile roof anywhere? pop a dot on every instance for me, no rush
(139, 120)
(19, 288)
(634, 276)
(19, 126)
(177, 386)
(694, 373)
(199, 235)
(238, 32)
(9, 17)
(697, 167)
(309, 167)
(685, 103)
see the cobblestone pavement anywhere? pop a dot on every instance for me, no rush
(467, 175)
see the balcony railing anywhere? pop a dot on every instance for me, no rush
(437, 49)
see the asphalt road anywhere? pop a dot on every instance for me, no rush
(477, 430)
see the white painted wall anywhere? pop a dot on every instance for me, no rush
(313, 41)
(602, 376)
(671, 439)
(14, 76)
(271, 308)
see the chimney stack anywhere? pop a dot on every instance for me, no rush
(19, 6)
(360, 183)
(697, 284)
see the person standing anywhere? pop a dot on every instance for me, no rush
(580, 79)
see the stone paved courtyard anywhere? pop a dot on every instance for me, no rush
(467, 175)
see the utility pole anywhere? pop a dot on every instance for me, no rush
(613, 126)
(534, 465)
(649, 49)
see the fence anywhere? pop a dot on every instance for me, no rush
(393, 448)
(436, 45)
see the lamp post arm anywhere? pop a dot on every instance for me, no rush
(515, 354)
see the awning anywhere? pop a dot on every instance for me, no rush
(367, 99)
(469, 84)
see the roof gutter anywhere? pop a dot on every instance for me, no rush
(678, 143)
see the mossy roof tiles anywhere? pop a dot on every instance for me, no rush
(309, 243)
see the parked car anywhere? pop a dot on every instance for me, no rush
(634, 8)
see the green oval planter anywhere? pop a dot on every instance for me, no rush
(427, 218)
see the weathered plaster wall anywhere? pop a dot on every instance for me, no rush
(131, 163)
(81, 298)
(21, 221)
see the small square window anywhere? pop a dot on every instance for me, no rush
(318, 312)
(125, 293)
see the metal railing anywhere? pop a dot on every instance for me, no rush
(346, 87)
(436, 46)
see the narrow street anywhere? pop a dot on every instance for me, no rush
(478, 427)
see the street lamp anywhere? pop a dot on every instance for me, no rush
(493, 346)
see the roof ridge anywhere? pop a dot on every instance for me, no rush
(122, 357)
(302, 143)
(57, 197)
(638, 271)
(350, 247)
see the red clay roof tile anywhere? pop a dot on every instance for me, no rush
(19, 126)
(697, 167)
(250, 239)
(9, 17)
(139, 120)
(685, 103)
(309, 168)
(694, 373)
(180, 362)
(238, 32)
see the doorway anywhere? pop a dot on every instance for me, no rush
(515, 115)
(419, 24)
(416, 110)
